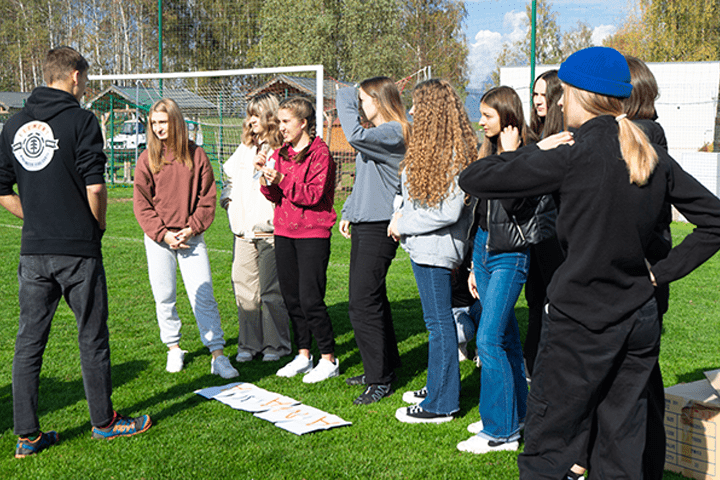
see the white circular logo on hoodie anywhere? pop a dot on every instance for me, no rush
(34, 145)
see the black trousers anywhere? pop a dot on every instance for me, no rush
(590, 388)
(302, 271)
(371, 254)
(545, 258)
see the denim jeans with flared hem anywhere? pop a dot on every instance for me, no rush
(503, 390)
(443, 377)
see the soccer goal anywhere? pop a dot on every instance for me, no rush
(213, 103)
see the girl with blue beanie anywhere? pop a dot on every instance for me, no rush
(601, 333)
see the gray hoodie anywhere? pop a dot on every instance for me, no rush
(438, 236)
(381, 149)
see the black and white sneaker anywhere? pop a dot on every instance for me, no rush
(416, 414)
(357, 380)
(374, 393)
(415, 397)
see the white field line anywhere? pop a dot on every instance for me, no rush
(215, 250)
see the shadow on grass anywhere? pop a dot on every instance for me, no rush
(55, 394)
(695, 375)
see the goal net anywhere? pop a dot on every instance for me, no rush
(214, 103)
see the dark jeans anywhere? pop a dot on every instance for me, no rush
(371, 254)
(302, 272)
(591, 388)
(44, 279)
(545, 258)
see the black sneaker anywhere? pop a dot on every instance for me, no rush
(358, 380)
(416, 414)
(415, 397)
(374, 393)
(26, 447)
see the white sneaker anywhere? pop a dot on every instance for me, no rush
(416, 396)
(221, 366)
(175, 358)
(481, 445)
(271, 357)
(462, 352)
(243, 356)
(323, 370)
(478, 426)
(300, 364)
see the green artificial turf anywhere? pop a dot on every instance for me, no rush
(197, 438)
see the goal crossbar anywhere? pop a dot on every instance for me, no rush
(318, 69)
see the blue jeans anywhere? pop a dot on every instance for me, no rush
(443, 377)
(503, 391)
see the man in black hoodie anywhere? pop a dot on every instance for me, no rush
(52, 150)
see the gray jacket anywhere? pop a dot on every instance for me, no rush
(380, 151)
(439, 236)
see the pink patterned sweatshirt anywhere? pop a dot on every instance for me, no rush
(304, 198)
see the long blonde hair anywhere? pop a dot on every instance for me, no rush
(637, 152)
(442, 143)
(265, 107)
(387, 99)
(177, 141)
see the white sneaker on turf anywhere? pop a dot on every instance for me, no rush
(479, 445)
(462, 352)
(221, 366)
(175, 358)
(415, 396)
(323, 370)
(300, 364)
(243, 356)
(271, 357)
(478, 426)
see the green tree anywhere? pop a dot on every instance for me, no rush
(432, 31)
(576, 39)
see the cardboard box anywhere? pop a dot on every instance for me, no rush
(692, 425)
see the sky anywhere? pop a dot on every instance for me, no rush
(491, 23)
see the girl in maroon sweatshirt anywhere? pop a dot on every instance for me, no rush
(300, 180)
(174, 203)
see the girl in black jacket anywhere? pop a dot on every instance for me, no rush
(601, 334)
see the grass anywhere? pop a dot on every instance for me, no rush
(197, 438)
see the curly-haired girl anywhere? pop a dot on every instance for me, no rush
(367, 212)
(301, 184)
(433, 225)
(264, 326)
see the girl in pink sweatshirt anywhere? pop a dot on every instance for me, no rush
(300, 180)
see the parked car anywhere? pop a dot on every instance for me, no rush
(131, 134)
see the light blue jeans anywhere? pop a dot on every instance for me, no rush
(503, 390)
(195, 270)
(443, 377)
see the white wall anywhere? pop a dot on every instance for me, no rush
(686, 107)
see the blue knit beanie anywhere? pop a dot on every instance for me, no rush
(600, 70)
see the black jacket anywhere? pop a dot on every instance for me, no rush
(52, 150)
(604, 222)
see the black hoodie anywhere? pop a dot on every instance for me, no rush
(52, 150)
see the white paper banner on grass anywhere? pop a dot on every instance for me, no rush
(285, 412)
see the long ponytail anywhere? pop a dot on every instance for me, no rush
(639, 155)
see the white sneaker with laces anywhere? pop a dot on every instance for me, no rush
(479, 445)
(478, 426)
(175, 359)
(323, 370)
(300, 364)
(221, 366)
